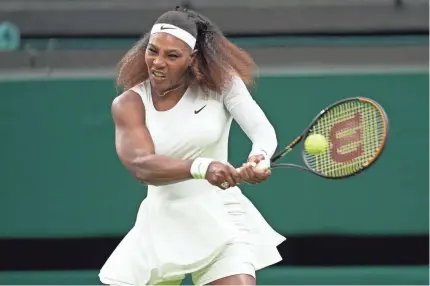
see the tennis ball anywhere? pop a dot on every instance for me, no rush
(315, 144)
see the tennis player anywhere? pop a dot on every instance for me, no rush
(185, 83)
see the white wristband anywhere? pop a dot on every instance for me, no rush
(200, 167)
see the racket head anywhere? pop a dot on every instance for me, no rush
(356, 130)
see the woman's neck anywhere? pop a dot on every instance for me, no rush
(174, 93)
(177, 90)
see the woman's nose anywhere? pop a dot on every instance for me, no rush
(159, 62)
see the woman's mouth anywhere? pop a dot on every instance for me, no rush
(158, 75)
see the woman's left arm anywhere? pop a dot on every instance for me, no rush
(253, 121)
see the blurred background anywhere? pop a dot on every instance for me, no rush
(66, 201)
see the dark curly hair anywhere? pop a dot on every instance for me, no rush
(217, 59)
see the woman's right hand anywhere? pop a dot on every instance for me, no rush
(222, 175)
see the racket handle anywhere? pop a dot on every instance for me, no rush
(287, 149)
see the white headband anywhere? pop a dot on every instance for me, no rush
(175, 31)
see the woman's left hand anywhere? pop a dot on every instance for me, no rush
(251, 174)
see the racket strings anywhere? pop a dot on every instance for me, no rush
(355, 131)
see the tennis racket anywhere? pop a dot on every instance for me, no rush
(356, 130)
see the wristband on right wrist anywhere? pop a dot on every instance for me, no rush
(199, 167)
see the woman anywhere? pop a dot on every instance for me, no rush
(185, 83)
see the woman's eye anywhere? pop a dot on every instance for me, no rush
(152, 51)
(173, 56)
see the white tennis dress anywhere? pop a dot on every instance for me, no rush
(182, 227)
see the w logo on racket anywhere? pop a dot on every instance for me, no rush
(345, 137)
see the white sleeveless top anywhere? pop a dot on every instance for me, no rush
(181, 227)
(197, 126)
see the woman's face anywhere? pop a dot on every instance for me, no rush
(167, 58)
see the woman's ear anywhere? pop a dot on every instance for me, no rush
(193, 57)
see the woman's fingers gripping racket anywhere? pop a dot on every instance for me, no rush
(253, 175)
(234, 176)
(247, 173)
(223, 175)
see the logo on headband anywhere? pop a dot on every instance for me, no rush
(167, 28)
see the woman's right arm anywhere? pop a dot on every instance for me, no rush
(136, 151)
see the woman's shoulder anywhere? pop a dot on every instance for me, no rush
(126, 98)
(234, 84)
(141, 88)
(125, 106)
(134, 95)
(234, 87)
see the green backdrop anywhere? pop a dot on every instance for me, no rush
(60, 175)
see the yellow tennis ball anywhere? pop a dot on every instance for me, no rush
(316, 144)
